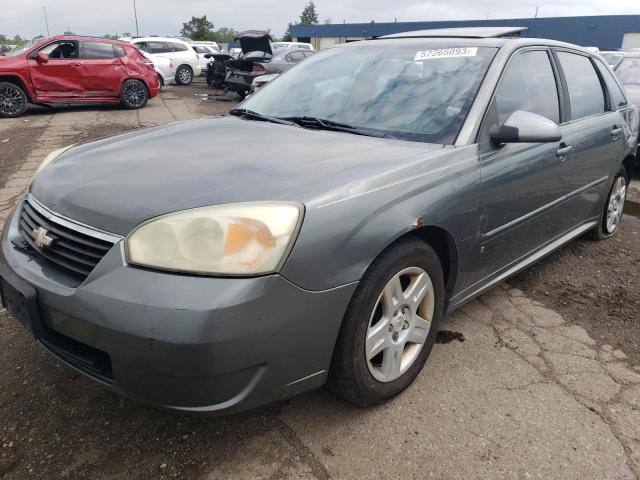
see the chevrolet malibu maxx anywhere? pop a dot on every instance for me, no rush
(387, 182)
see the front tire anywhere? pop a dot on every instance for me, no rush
(390, 325)
(184, 75)
(13, 100)
(134, 94)
(612, 213)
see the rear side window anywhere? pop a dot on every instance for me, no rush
(585, 91)
(199, 49)
(119, 51)
(177, 47)
(528, 84)
(617, 97)
(158, 47)
(96, 50)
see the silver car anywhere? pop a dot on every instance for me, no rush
(348, 206)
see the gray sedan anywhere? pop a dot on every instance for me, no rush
(348, 206)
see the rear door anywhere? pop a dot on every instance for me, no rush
(521, 184)
(597, 128)
(102, 71)
(61, 75)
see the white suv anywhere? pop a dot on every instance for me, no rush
(185, 60)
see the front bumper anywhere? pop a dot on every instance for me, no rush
(200, 344)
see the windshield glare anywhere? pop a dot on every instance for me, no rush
(629, 71)
(413, 91)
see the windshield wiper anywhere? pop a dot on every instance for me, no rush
(324, 124)
(250, 114)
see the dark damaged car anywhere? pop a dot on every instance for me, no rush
(330, 246)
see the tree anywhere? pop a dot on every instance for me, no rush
(225, 35)
(309, 14)
(287, 35)
(110, 37)
(126, 34)
(3, 39)
(198, 28)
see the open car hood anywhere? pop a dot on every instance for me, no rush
(254, 41)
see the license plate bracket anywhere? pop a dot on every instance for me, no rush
(21, 299)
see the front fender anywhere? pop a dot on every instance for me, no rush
(340, 238)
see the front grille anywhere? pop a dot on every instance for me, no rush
(75, 251)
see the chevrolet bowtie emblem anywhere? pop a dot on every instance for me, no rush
(41, 238)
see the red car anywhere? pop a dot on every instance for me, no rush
(75, 70)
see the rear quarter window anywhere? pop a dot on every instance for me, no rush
(585, 90)
(616, 97)
(177, 47)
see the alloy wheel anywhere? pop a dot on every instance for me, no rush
(134, 94)
(399, 324)
(184, 75)
(11, 101)
(616, 204)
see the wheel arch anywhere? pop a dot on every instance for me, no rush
(18, 81)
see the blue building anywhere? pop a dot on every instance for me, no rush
(607, 32)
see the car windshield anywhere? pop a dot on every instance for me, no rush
(23, 48)
(412, 91)
(629, 71)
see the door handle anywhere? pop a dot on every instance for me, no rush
(562, 152)
(615, 132)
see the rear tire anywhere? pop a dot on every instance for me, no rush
(390, 325)
(134, 94)
(13, 100)
(612, 212)
(184, 75)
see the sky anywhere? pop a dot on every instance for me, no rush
(165, 17)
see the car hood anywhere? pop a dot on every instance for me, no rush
(116, 183)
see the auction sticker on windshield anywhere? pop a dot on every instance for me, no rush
(446, 53)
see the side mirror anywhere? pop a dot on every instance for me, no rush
(42, 57)
(525, 127)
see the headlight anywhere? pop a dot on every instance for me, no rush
(234, 239)
(51, 157)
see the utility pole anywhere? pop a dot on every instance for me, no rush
(135, 14)
(537, 7)
(46, 22)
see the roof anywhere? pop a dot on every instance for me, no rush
(604, 31)
(463, 32)
(81, 38)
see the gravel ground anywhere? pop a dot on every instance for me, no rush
(525, 382)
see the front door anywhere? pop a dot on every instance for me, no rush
(60, 75)
(521, 184)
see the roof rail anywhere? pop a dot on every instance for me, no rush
(465, 32)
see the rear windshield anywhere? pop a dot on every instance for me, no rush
(412, 91)
(629, 71)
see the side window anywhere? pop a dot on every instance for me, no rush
(529, 84)
(158, 47)
(200, 49)
(96, 50)
(119, 51)
(585, 91)
(617, 98)
(143, 46)
(177, 47)
(61, 50)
